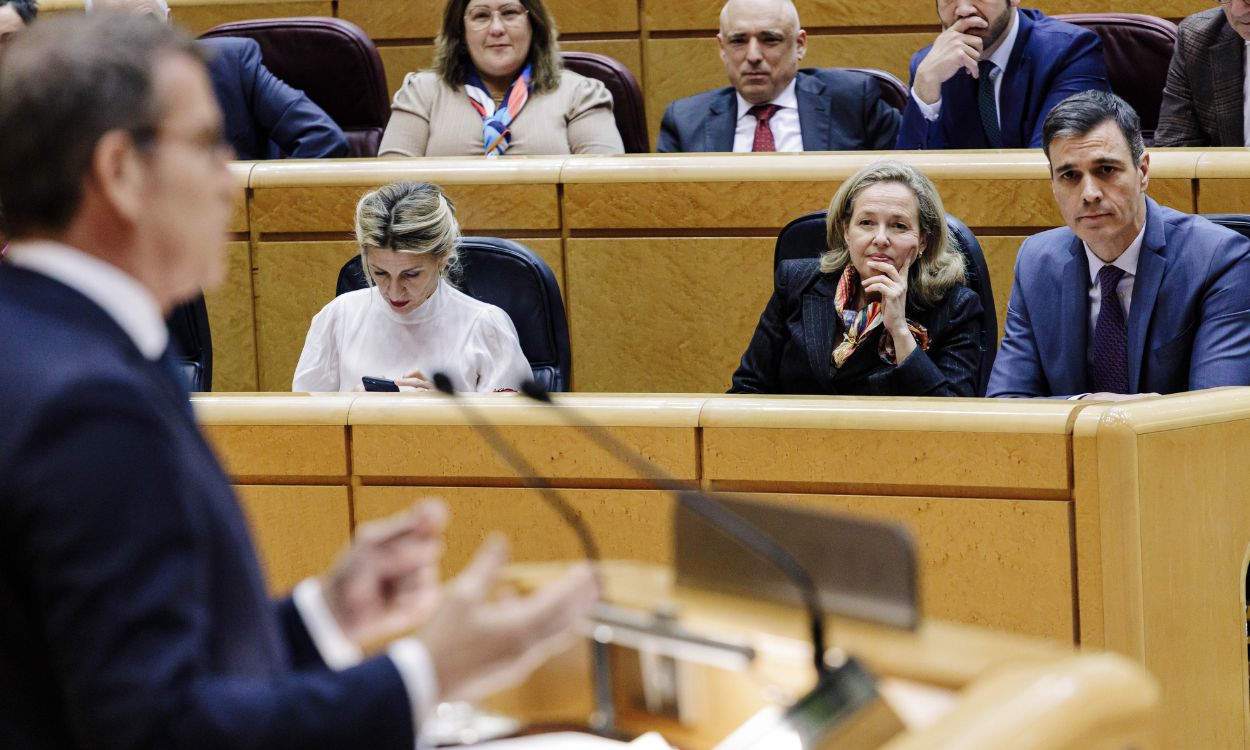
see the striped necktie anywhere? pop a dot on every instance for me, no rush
(987, 103)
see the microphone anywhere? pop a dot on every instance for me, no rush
(522, 468)
(721, 518)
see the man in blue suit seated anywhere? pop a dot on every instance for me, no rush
(771, 104)
(134, 610)
(1131, 297)
(993, 74)
(265, 118)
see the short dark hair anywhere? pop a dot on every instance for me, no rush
(26, 9)
(451, 53)
(1081, 113)
(64, 84)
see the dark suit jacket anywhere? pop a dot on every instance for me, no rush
(265, 118)
(1188, 323)
(792, 349)
(1051, 61)
(1203, 103)
(134, 614)
(839, 110)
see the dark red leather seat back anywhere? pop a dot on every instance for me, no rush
(627, 105)
(332, 61)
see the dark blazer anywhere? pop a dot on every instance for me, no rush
(1188, 323)
(1203, 103)
(792, 349)
(1051, 60)
(265, 118)
(134, 613)
(839, 110)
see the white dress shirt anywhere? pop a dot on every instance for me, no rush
(136, 312)
(1127, 262)
(787, 134)
(360, 334)
(1000, 57)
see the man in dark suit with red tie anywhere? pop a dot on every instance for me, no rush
(772, 105)
(134, 611)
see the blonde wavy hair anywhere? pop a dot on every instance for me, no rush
(938, 269)
(409, 217)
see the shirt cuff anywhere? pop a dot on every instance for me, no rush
(336, 649)
(416, 670)
(930, 111)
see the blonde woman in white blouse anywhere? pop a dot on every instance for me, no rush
(410, 322)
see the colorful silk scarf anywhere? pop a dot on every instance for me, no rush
(497, 121)
(865, 320)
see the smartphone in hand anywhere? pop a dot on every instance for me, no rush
(379, 384)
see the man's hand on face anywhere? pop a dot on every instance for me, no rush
(387, 582)
(954, 49)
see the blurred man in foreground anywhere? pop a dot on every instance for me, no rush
(135, 615)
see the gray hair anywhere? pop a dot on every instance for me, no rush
(409, 217)
(162, 5)
(64, 84)
(938, 269)
(1081, 113)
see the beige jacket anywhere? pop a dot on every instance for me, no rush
(429, 118)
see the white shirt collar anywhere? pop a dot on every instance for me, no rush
(1127, 261)
(119, 294)
(787, 98)
(1003, 53)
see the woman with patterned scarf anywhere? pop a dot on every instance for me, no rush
(883, 312)
(497, 87)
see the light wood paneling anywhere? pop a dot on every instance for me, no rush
(691, 205)
(297, 530)
(233, 325)
(294, 280)
(1000, 256)
(1018, 463)
(551, 250)
(705, 14)
(626, 524)
(1000, 563)
(401, 60)
(460, 452)
(1224, 196)
(200, 16)
(1162, 8)
(293, 451)
(664, 314)
(332, 209)
(594, 16)
(393, 19)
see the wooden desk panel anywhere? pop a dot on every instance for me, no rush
(395, 19)
(259, 454)
(199, 16)
(232, 321)
(297, 530)
(705, 14)
(626, 524)
(664, 314)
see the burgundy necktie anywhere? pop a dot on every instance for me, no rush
(1109, 368)
(763, 134)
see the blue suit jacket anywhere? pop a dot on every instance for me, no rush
(839, 110)
(134, 614)
(1188, 324)
(265, 118)
(1051, 61)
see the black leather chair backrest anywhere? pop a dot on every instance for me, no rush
(332, 61)
(512, 277)
(188, 332)
(1138, 50)
(627, 104)
(805, 238)
(893, 90)
(1239, 223)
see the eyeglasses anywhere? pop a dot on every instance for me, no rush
(481, 17)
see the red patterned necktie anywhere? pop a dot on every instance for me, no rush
(763, 134)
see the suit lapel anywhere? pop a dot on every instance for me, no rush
(1151, 265)
(722, 121)
(820, 324)
(1015, 92)
(1227, 58)
(1073, 322)
(814, 117)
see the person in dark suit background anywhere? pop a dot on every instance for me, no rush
(771, 105)
(15, 15)
(1130, 297)
(265, 118)
(1204, 101)
(135, 615)
(883, 312)
(991, 76)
